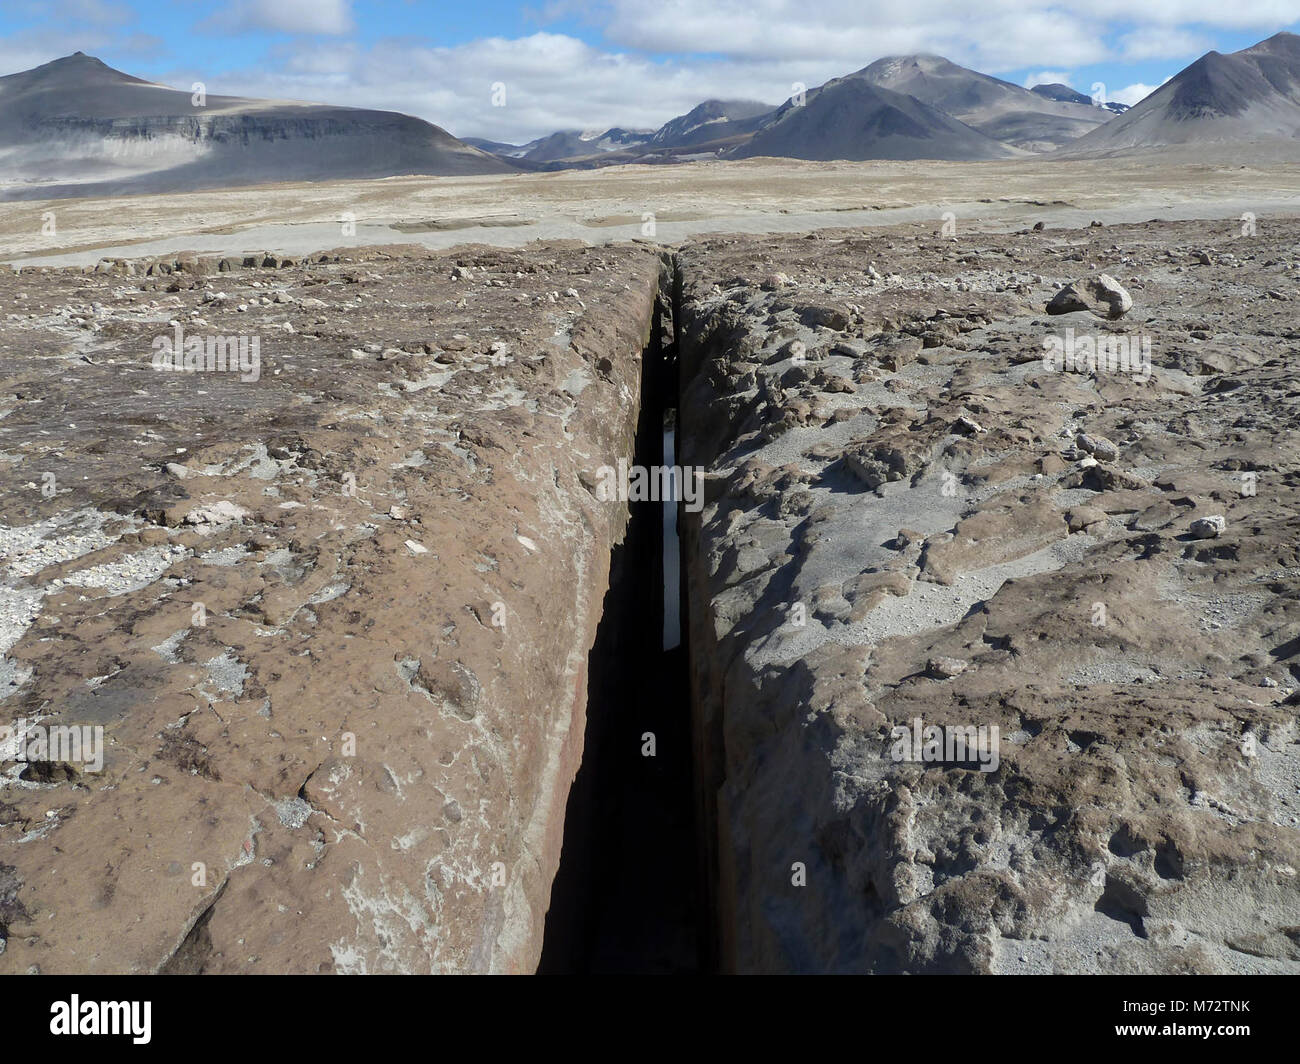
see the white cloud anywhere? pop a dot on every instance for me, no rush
(331, 17)
(33, 47)
(1036, 30)
(996, 35)
(1268, 15)
(1163, 42)
(1134, 93)
(1004, 35)
(1048, 77)
(552, 81)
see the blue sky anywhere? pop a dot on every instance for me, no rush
(584, 64)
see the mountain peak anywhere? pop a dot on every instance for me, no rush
(75, 71)
(1282, 44)
(894, 65)
(78, 59)
(1061, 93)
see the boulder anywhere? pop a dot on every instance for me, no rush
(1100, 294)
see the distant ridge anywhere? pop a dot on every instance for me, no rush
(76, 126)
(711, 121)
(1065, 94)
(996, 108)
(850, 118)
(708, 123)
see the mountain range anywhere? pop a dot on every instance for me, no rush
(899, 107)
(75, 126)
(927, 107)
(566, 144)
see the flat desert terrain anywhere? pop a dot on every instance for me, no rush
(618, 203)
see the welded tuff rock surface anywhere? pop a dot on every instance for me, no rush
(333, 621)
(912, 516)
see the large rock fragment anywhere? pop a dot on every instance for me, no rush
(1208, 527)
(1101, 294)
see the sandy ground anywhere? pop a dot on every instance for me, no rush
(757, 196)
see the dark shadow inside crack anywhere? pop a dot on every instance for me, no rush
(626, 896)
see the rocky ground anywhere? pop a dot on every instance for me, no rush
(333, 620)
(912, 516)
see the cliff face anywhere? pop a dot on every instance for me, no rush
(77, 126)
(333, 619)
(914, 523)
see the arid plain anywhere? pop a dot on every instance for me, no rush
(755, 196)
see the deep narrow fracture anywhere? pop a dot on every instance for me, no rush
(625, 897)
